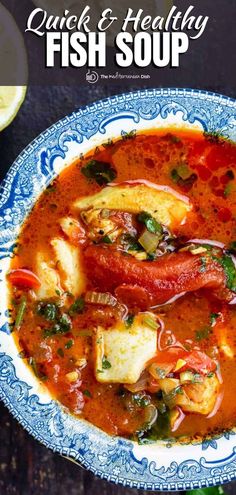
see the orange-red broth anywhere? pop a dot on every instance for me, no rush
(149, 156)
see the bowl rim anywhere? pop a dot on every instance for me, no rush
(82, 111)
(109, 99)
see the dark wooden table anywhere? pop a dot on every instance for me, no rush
(26, 467)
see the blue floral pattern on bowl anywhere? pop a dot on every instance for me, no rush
(163, 466)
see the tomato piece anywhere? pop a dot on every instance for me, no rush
(169, 356)
(195, 360)
(150, 282)
(199, 362)
(23, 278)
(133, 296)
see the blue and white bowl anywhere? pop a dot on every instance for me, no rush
(162, 466)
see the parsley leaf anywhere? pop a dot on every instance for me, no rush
(101, 172)
(183, 176)
(77, 306)
(106, 239)
(63, 325)
(203, 333)
(87, 393)
(106, 365)
(129, 321)
(230, 271)
(69, 344)
(49, 311)
(151, 224)
(130, 242)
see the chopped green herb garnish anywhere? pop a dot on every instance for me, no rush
(151, 224)
(174, 175)
(151, 256)
(203, 333)
(210, 375)
(101, 172)
(230, 271)
(87, 393)
(130, 242)
(60, 352)
(129, 321)
(69, 344)
(58, 292)
(48, 310)
(141, 400)
(106, 239)
(77, 306)
(182, 175)
(20, 312)
(106, 365)
(49, 332)
(213, 318)
(63, 325)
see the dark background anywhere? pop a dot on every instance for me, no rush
(26, 467)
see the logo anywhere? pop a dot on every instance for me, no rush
(92, 77)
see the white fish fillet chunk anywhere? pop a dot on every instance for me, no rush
(122, 353)
(69, 266)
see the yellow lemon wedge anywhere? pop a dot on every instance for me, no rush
(14, 68)
(11, 98)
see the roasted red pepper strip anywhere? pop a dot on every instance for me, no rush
(23, 278)
(156, 281)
